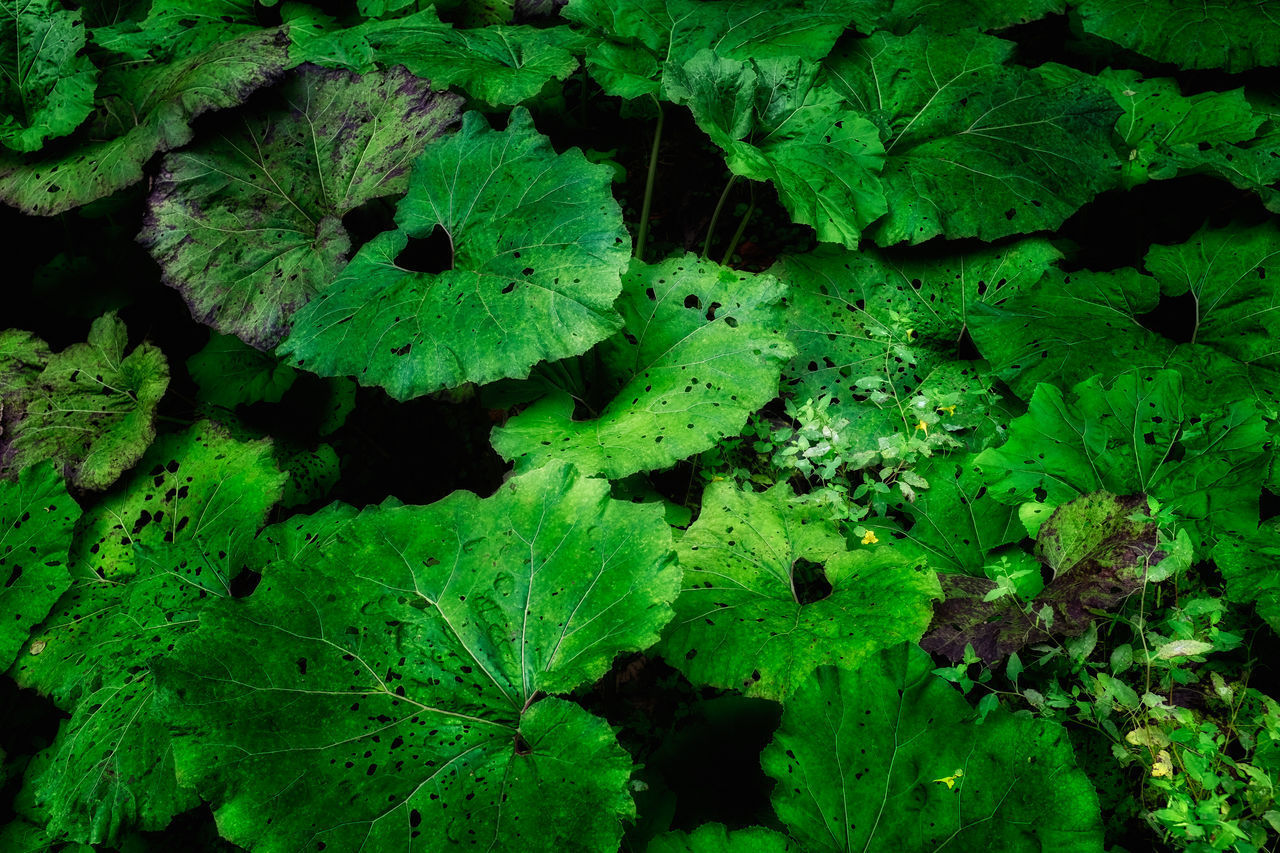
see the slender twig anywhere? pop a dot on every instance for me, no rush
(742, 229)
(643, 236)
(715, 215)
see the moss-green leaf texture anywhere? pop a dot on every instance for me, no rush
(396, 686)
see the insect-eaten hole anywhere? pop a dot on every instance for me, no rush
(809, 581)
(521, 745)
(431, 254)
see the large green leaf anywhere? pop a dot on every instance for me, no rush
(90, 408)
(36, 519)
(248, 225)
(958, 15)
(976, 147)
(538, 252)
(146, 562)
(1133, 435)
(890, 757)
(230, 372)
(752, 617)
(776, 122)
(640, 38)
(387, 691)
(46, 89)
(1234, 35)
(699, 351)
(142, 109)
(176, 28)
(1167, 132)
(499, 65)
(1250, 563)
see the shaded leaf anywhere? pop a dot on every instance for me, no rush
(1234, 35)
(46, 89)
(975, 147)
(230, 372)
(715, 838)
(957, 15)
(90, 408)
(699, 351)
(142, 109)
(856, 753)
(1250, 564)
(36, 519)
(750, 618)
(532, 233)
(302, 714)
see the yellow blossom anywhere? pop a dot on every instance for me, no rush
(923, 426)
(950, 410)
(950, 781)
(870, 538)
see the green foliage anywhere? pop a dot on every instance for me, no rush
(1234, 35)
(47, 88)
(553, 247)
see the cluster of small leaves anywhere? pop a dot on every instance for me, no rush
(931, 447)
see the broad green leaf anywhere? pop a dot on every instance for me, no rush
(1250, 563)
(1234, 276)
(956, 522)
(499, 65)
(90, 408)
(147, 561)
(36, 519)
(175, 28)
(46, 89)
(716, 838)
(230, 372)
(770, 594)
(1165, 131)
(1234, 35)
(387, 690)
(700, 350)
(1098, 550)
(538, 251)
(776, 122)
(975, 147)
(959, 15)
(641, 37)
(890, 757)
(1133, 435)
(248, 226)
(142, 109)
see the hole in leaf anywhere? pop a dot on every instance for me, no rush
(1174, 317)
(430, 254)
(367, 221)
(809, 581)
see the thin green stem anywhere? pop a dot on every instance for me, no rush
(643, 237)
(715, 215)
(742, 229)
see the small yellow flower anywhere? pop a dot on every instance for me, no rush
(870, 538)
(950, 410)
(923, 426)
(950, 781)
(911, 333)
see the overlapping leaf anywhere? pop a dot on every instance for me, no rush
(699, 351)
(230, 372)
(499, 65)
(388, 690)
(46, 86)
(890, 758)
(538, 249)
(776, 122)
(959, 15)
(36, 519)
(976, 147)
(642, 38)
(172, 29)
(716, 838)
(146, 562)
(248, 226)
(750, 617)
(1132, 435)
(1097, 550)
(90, 408)
(142, 109)
(1234, 35)
(1250, 563)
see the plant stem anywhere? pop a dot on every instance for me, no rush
(715, 215)
(643, 236)
(742, 228)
